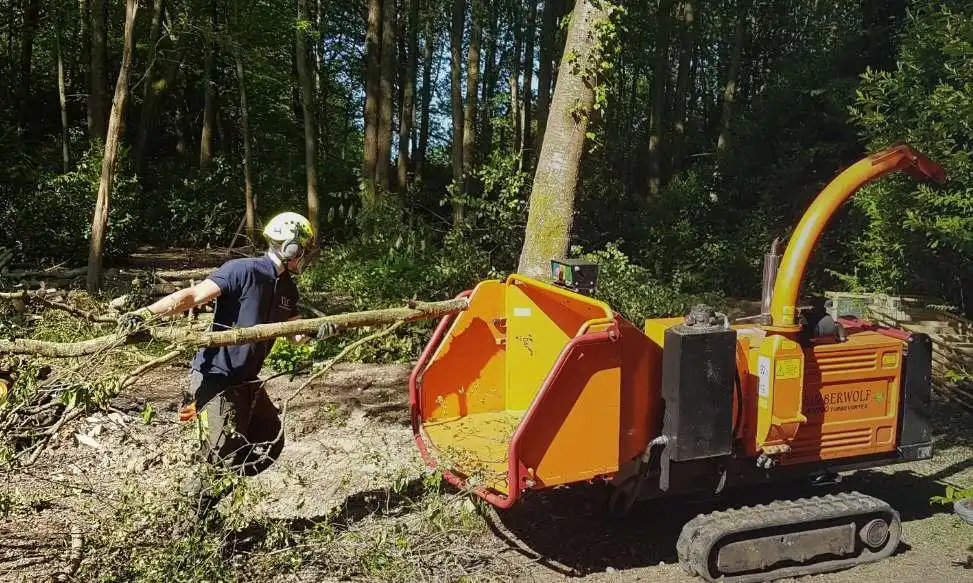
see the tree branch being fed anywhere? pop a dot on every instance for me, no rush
(194, 338)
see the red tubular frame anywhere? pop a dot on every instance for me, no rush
(516, 471)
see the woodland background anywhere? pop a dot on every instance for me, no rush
(410, 130)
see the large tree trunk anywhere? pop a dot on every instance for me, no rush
(98, 93)
(149, 87)
(688, 44)
(99, 222)
(551, 212)
(387, 83)
(545, 72)
(209, 92)
(456, 92)
(729, 91)
(407, 117)
(428, 54)
(310, 129)
(527, 145)
(248, 198)
(472, 90)
(373, 74)
(61, 90)
(660, 75)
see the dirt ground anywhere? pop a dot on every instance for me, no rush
(348, 438)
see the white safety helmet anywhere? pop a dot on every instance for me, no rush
(290, 235)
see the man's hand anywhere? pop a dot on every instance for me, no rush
(131, 321)
(327, 330)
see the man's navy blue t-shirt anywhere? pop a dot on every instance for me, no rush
(251, 293)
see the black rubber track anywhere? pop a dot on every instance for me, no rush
(700, 538)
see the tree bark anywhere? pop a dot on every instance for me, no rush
(729, 91)
(98, 92)
(389, 16)
(262, 332)
(545, 73)
(660, 75)
(428, 54)
(61, 90)
(99, 222)
(209, 92)
(310, 128)
(688, 44)
(456, 86)
(248, 198)
(551, 213)
(472, 90)
(149, 88)
(528, 97)
(373, 73)
(407, 117)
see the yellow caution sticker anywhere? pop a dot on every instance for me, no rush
(788, 313)
(788, 368)
(890, 360)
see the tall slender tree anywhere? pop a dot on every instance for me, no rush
(386, 83)
(62, 96)
(687, 35)
(428, 54)
(472, 90)
(98, 91)
(407, 117)
(209, 88)
(456, 92)
(527, 110)
(99, 222)
(660, 75)
(373, 74)
(307, 106)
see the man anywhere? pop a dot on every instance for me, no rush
(241, 426)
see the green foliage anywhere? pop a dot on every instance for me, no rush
(953, 494)
(288, 357)
(52, 219)
(920, 237)
(631, 290)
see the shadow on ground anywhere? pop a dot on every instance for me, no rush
(570, 530)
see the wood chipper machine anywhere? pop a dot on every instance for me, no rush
(538, 384)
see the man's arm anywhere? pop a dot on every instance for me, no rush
(186, 298)
(174, 303)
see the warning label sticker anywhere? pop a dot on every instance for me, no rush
(763, 373)
(788, 368)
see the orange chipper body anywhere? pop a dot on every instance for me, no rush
(537, 385)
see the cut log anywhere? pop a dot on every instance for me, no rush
(197, 338)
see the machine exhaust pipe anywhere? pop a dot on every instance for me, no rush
(771, 265)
